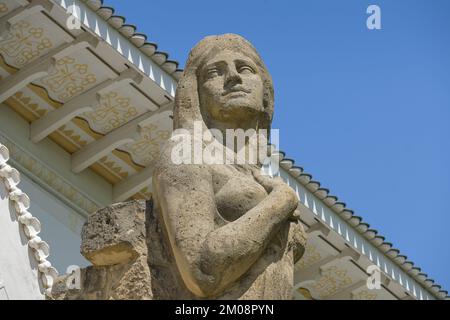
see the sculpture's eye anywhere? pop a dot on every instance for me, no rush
(212, 72)
(245, 69)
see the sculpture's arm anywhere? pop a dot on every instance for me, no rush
(229, 251)
(210, 259)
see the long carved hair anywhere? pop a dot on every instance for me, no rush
(187, 105)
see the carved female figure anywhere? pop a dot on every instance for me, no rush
(233, 232)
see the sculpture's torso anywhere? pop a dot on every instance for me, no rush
(230, 232)
(236, 192)
(271, 276)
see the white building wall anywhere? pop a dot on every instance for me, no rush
(61, 226)
(18, 267)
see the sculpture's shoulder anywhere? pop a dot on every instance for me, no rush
(177, 160)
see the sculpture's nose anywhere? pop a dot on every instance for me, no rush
(232, 77)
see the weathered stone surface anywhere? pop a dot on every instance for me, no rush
(114, 240)
(166, 281)
(115, 234)
(212, 231)
(114, 282)
(144, 269)
(232, 232)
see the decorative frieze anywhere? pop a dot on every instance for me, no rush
(49, 177)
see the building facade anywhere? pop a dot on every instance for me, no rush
(85, 106)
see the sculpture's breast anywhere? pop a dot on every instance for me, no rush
(237, 195)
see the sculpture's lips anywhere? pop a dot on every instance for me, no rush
(241, 91)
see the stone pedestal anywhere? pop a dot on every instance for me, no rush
(129, 259)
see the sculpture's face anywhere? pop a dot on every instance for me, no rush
(230, 87)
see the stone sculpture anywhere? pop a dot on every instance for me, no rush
(211, 231)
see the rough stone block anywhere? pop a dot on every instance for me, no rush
(115, 234)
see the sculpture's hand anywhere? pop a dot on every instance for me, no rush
(267, 182)
(297, 235)
(295, 215)
(281, 190)
(297, 239)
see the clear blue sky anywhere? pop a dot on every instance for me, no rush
(365, 112)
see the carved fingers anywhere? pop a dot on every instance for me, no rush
(267, 182)
(295, 217)
(280, 191)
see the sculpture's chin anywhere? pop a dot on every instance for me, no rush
(240, 102)
(239, 109)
